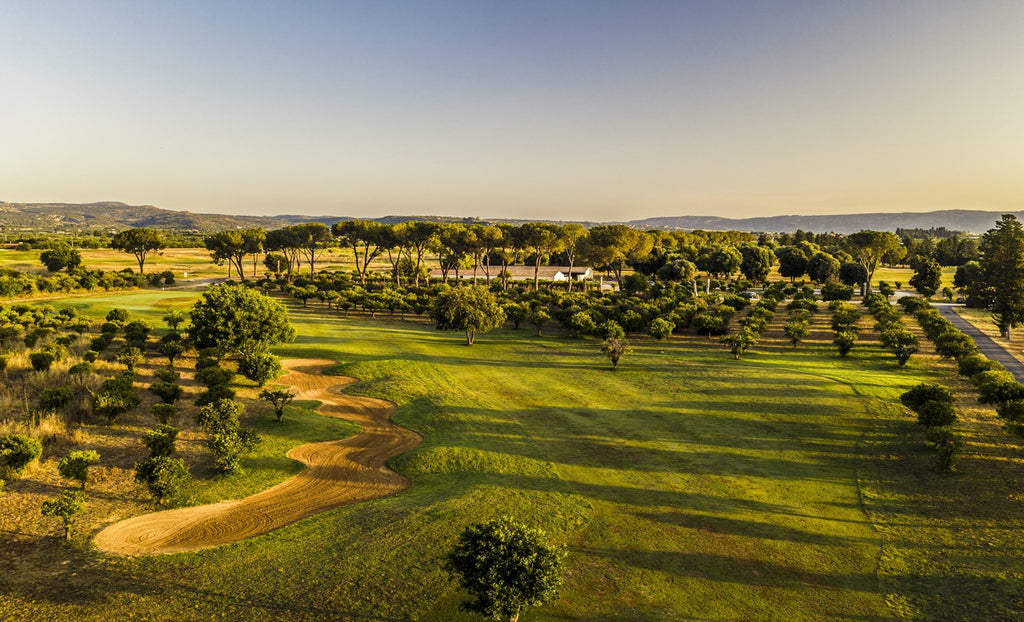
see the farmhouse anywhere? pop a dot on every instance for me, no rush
(525, 273)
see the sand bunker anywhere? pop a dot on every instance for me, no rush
(338, 473)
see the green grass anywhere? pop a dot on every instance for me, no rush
(786, 485)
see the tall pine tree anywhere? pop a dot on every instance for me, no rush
(1001, 280)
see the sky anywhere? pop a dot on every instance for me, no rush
(555, 109)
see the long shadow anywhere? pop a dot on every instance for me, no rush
(752, 529)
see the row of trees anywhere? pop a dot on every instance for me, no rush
(489, 250)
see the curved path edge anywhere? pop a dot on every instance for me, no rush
(992, 349)
(340, 472)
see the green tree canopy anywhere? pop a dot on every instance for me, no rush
(869, 247)
(469, 309)
(61, 257)
(1000, 282)
(505, 566)
(139, 242)
(236, 320)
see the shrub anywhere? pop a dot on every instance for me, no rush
(213, 394)
(844, 341)
(67, 507)
(975, 363)
(948, 444)
(936, 413)
(661, 328)
(54, 399)
(993, 375)
(76, 465)
(611, 330)
(1011, 411)
(168, 392)
(116, 396)
(17, 451)
(796, 331)
(137, 332)
(164, 413)
(260, 366)
(955, 345)
(118, 316)
(41, 361)
(581, 323)
(229, 441)
(129, 356)
(81, 369)
(164, 477)
(999, 392)
(90, 356)
(160, 440)
(925, 392)
(836, 291)
(214, 376)
(168, 374)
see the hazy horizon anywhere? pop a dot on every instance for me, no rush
(568, 110)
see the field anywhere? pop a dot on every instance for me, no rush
(786, 485)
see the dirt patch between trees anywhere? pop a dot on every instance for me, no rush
(338, 473)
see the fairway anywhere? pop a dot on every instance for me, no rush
(786, 485)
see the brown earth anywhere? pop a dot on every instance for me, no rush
(338, 473)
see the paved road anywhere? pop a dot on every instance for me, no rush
(988, 347)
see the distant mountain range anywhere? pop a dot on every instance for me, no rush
(113, 216)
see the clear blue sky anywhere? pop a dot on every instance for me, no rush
(555, 109)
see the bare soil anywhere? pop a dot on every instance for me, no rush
(338, 473)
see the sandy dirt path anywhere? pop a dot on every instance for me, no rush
(338, 473)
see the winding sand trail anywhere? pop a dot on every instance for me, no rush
(338, 473)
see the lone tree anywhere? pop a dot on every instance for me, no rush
(139, 242)
(67, 507)
(869, 247)
(740, 341)
(468, 309)
(235, 320)
(999, 284)
(76, 465)
(505, 566)
(614, 348)
(279, 399)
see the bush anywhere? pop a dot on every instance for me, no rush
(81, 369)
(17, 451)
(41, 361)
(844, 340)
(168, 392)
(229, 441)
(214, 376)
(118, 316)
(164, 477)
(926, 392)
(581, 323)
(955, 345)
(999, 392)
(168, 374)
(215, 393)
(261, 367)
(935, 413)
(55, 399)
(76, 465)
(91, 356)
(129, 356)
(116, 396)
(993, 375)
(1011, 411)
(836, 291)
(974, 364)
(164, 413)
(67, 507)
(137, 332)
(661, 328)
(611, 330)
(948, 444)
(160, 440)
